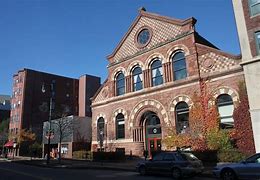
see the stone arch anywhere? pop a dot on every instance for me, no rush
(116, 71)
(176, 48)
(151, 58)
(99, 116)
(133, 65)
(145, 105)
(225, 90)
(178, 99)
(116, 112)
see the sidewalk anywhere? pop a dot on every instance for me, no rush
(127, 165)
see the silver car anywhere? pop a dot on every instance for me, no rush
(247, 169)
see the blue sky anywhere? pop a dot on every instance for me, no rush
(73, 37)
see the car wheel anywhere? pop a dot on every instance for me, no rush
(142, 170)
(176, 173)
(228, 174)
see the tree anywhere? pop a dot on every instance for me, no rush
(203, 121)
(4, 129)
(63, 128)
(243, 135)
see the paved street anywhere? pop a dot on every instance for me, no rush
(13, 171)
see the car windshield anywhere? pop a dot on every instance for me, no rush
(189, 157)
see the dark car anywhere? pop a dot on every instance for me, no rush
(247, 169)
(177, 164)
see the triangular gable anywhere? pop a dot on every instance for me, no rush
(213, 60)
(163, 29)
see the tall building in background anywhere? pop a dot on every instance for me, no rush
(5, 107)
(32, 91)
(88, 86)
(247, 14)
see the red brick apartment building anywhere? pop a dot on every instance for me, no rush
(30, 100)
(153, 73)
(247, 14)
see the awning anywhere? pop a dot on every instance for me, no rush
(9, 144)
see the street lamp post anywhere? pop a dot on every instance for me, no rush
(49, 119)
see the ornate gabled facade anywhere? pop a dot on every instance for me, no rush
(153, 73)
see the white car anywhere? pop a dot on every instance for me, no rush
(247, 169)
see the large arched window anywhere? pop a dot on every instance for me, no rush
(182, 117)
(100, 129)
(157, 74)
(120, 84)
(120, 126)
(179, 66)
(225, 109)
(138, 79)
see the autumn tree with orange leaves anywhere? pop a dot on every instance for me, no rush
(203, 122)
(243, 135)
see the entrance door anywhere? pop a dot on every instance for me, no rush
(153, 132)
(154, 146)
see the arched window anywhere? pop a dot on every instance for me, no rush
(100, 129)
(120, 126)
(182, 117)
(120, 84)
(179, 66)
(225, 109)
(138, 79)
(157, 74)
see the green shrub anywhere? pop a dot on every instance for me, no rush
(82, 154)
(231, 155)
(35, 150)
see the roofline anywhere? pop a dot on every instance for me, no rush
(238, 57)
(26, 69)
(143, 13)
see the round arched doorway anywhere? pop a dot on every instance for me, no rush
(153, 133)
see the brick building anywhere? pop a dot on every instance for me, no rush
(247, 14)
(32, 91)
(153, 73)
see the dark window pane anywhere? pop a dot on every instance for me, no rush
(181, 74)
(143, 36)
(254, 7)
(157, 77)
(120, 126)
(120, 84)
(179, 66)
(258, 42)
(137, 76)
(182, 117)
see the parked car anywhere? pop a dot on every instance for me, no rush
(177, 164)
(246, 169)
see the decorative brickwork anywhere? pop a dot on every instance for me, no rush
(212, 62)
(162, 31)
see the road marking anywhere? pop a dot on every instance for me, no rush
(25, 174)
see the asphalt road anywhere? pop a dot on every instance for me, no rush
(13, 171)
